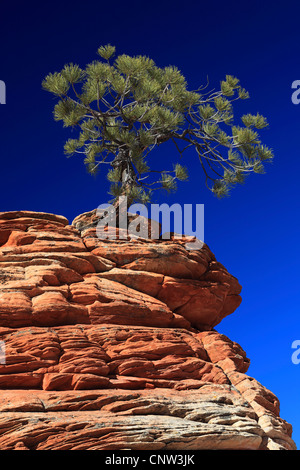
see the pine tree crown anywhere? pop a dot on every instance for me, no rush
(124, 108)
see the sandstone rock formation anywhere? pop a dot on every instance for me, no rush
(111, 345)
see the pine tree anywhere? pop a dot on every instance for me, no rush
(124, 109)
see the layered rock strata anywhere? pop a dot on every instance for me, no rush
(111, 344)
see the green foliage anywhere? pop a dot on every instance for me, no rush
(71, 146)
(181, 172)
(72, 73)
(168, 182)
(106, 52)
(124, 107)
(141, 166)
(56, 83)
(114, 175)
(220, 188)
(258, 121)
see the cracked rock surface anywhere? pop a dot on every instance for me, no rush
(111, 344)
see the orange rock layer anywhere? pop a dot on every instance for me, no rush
(110, 344)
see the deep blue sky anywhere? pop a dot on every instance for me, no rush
(254, 233)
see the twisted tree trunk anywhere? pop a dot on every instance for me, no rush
(122, 162)
(127, 173)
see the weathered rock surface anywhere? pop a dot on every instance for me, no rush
(111, 344)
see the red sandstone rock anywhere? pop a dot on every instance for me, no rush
(121, 333)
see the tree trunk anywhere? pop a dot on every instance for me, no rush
(127, 173)
(127, 180)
